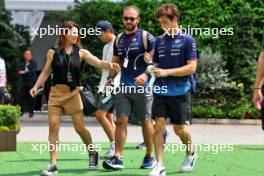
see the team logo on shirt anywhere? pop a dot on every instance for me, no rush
(176, 46)
(177, 41)
(162, 42)
(121, 41)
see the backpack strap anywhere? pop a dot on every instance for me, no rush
(145, 39)
(118, 38)
(144, 36)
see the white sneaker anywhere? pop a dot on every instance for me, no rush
(110, 152)
(158, 170)
(51, 170)
(188, 163)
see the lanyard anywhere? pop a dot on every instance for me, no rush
(129, 44)
(67, 62)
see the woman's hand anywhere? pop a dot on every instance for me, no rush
(257, 98)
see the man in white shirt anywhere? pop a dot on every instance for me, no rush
(104, 114)
(2, 80)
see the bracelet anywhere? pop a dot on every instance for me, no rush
(109, 78)
(146, 72)
(257, 86)
(150, 63)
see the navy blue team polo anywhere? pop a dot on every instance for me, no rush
(133, 43)
(174, 52)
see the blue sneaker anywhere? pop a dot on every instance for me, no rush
(148, 162)
(115, 163)
(93, 161)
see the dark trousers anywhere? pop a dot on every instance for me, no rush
(27, 102)
(2, 93)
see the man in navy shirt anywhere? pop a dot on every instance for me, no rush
(129, 49)
(176, 58)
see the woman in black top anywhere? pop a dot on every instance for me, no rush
(64, 62)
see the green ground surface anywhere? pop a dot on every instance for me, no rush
(244, 160)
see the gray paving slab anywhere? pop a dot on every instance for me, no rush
(36, 129)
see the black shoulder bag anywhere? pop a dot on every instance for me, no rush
(88, 99)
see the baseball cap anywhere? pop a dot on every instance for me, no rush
(104, 25)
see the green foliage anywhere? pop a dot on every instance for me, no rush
(230, 103)
(9, 117)
(235, 110)
(207, 112)
(211, 73)
(239, 51)
(4, 128)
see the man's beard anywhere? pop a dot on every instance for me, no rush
(130, 28)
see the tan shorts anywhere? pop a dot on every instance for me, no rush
(63, 101)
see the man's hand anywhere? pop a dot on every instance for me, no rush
(141, 79)
(21, 72)
(115, 67)
(257, 98)
(147, 57)
(161, 72)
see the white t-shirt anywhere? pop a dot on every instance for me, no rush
(2, 73)
(107, 56)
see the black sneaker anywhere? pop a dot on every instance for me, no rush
(115, 163)
(31, 114)
(93, 161)
(51, 170)
(148, 162)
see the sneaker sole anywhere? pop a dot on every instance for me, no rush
(112, 167)
(92, 169)
(161, 174)
(48, 174)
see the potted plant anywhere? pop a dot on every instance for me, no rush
(9, 127)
